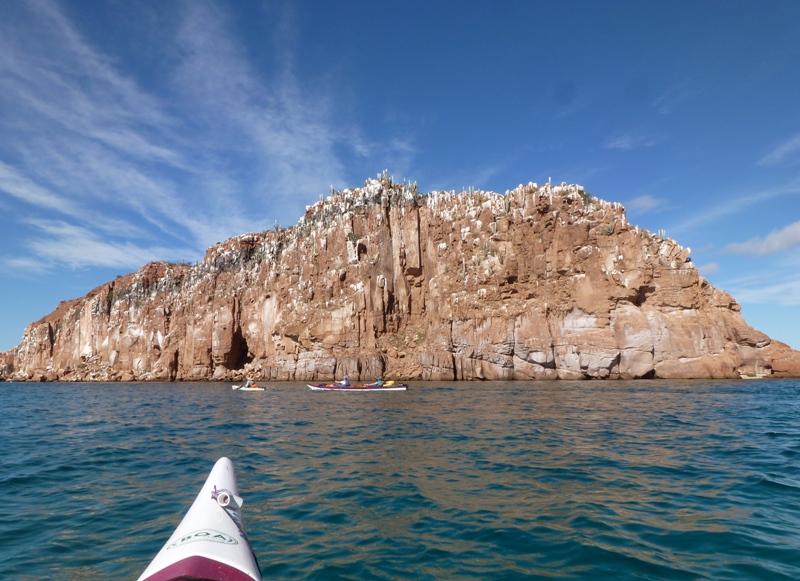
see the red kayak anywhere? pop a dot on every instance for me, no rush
(386, 386)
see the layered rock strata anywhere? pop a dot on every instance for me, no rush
(544, 282)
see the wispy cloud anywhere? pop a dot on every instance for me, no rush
(710, 268)
(78, 247)
(776, 241)
(732, 205)
(631, 140)
(20, 187)
(783, 151)
(93, 151)
(646, 204)
(86, 144)
(677, 94)
(785, 292)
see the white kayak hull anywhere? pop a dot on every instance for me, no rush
(210, 543)
(243, 388)
(321, 387)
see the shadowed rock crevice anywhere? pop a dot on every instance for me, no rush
(240, 353)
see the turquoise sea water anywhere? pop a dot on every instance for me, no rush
(549, 480)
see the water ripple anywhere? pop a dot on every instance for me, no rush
(564, 480)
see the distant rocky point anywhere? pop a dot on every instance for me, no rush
(544, 282)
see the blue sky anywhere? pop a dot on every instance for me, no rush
(138, 131)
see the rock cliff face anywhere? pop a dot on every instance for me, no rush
(540, 283)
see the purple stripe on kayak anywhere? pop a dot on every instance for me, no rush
(200, 569)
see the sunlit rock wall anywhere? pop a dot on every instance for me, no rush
(544, 282)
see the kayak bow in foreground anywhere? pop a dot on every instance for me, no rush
(210, 544)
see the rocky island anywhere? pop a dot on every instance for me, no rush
(542, 282)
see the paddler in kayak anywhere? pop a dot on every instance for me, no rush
(249, 384)
(344, 382)
(379, 382)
